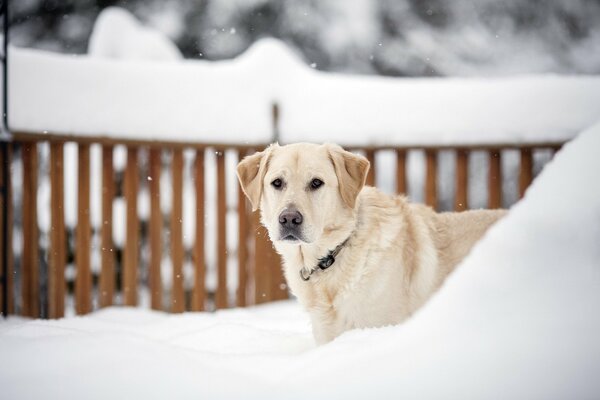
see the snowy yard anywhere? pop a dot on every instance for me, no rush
(518, 319)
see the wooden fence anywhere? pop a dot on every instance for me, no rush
(258, 273)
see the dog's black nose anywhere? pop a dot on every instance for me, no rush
(290, 218)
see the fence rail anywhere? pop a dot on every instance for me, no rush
(257, 273)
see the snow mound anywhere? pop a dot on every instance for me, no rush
(231, 101)
(117, 34)
(518, 319)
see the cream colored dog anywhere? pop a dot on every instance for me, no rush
(353, 256)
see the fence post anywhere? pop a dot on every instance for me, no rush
(130, 252)
(401, 171)
(177, 294)
(199, 293)
(6, 272)
(30, 291)
(431, 178)
(107, 272)
(370, 154)
(83, 277)
(155, 230)
(462, 180)
(525, 171)
(56, 258)
(495, 179)
(242, 244)
(221, 294)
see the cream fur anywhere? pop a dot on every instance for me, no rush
(398, 253)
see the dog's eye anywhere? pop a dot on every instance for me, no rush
(277, 183)
(316, 183)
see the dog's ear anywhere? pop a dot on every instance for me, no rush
(251, 172)
(351, 170)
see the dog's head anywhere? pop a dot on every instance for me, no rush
(302, 189)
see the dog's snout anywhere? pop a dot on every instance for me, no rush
(290, 218)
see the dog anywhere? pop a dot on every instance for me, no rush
(352, 255)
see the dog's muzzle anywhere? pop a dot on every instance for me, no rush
(290, 225)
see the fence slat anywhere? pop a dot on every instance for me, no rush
(199, 294)
(107, 271)
(431, 178)
(370, 154)
(262, 279)
(495, 179)
(30, 261)
(177, 294)
(56, 264)
(221, 295)
(526, 171)
(83, 277)
(401, 171)
(155, 231)
(241, 294)
(6, 202)
(130, 252)
(462, 180)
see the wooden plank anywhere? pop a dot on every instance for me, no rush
(199, 293)
(495, 179)
(221, 295)
(401, 186)
(462, 180)
(30, 259)
(104, 140)
(431, 178)
(242, 290)
(57, 253)
(262, 279)
(526, 171)
(107, 271)
(370, 154)
(155, 231)
(6, 204)
(177, 294)
(130, 252)
(83, 277)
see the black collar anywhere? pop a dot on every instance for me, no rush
(324, 262)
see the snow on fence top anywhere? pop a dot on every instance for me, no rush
(231, 101)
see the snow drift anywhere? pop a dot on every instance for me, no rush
(518, 319)
(155, 95)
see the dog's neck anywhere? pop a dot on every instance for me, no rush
(307, 255)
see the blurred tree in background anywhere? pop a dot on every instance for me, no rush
(386, 37)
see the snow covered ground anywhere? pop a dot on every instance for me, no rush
(518, 319)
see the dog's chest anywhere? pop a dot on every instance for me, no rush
(369, 300)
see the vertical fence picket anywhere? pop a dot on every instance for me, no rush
(57, 253)
(495, 179)
(262, 279)
(155, 230)
(83, 277)
(401, 171)
(6, 203)
(462, 180)
(370, 154)
(431, 178)
(199, 293)
(130, 252)
(221, 294)
(107, 271)
(241, 293)
(177, 294)
(30, 259)
(525, 171)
